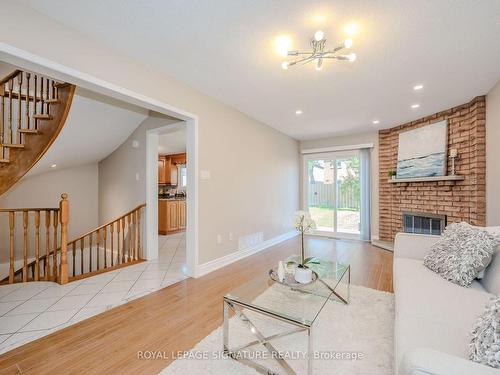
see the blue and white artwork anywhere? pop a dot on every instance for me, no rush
(422, 151)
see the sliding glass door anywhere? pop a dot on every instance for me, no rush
(332, 192)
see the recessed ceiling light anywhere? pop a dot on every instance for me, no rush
(298, 112)
(53, 166)
(418, 87)
(415, 106)
(375, 122)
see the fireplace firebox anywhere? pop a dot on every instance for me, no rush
(423, 223)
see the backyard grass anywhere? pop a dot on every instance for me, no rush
(348, 219)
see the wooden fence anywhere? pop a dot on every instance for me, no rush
(323, 195)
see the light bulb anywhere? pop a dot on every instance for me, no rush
(53, 166)
(418, 87)
(283, 44)
(375, 122)
(298, 112)
(415, 106)
(348, 43)
(284, 65)
(351, 57)
(319, 35)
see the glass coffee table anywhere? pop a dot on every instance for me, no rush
(297, 307)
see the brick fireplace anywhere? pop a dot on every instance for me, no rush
(456, 200)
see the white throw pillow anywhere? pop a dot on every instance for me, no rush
(485, 343)
(462, 253)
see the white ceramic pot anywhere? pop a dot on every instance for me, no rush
(303, 275)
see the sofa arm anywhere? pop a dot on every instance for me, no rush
(414, 246)
(432, 362)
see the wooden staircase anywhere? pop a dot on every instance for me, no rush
(33, 110)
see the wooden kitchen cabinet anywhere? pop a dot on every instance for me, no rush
(181, 214)
(162, 217)
(161, 170)
(171, 216)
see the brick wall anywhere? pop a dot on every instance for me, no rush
(459, 200)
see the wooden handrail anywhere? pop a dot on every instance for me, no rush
(107, 224)
(55, 260)
(8, 77)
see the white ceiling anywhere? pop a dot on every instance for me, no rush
(95, 127)
(225, 49)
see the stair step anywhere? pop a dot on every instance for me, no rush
(4, 161)
(53, 101)
(29, 131)
(42, 117)
(60, 84)
(12, 145)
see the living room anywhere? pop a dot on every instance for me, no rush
(341, 185)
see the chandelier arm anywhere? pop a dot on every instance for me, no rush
(307, 59)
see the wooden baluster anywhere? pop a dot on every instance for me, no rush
(139, 249)
(41, 96)
(12, 224)
(123, 240)
(37, 246)
(47, 245)
(82, 247)
(105, 235)
(134, 234)
(10, 134)
(74, 258)
(98, 242)
(19, 109)
(118, 260)
(27, 110)
(47, 95)
(129, 227)
(55, 225)
(90, 252)
(25, 246)
(111, 235)
(64, 211)
(35, 122)
(2, 126)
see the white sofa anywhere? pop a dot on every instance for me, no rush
(434, 316)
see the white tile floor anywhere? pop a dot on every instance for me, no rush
(31, 310)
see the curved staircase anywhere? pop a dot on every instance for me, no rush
(33, 110)
(34, 243)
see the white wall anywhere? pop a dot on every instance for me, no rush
(254, 169)
(119, 190)
(493, 156)
(349, 140)
(45, 189)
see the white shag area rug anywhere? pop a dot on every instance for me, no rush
(347, 339)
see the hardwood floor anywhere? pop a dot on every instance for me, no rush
(177, 317)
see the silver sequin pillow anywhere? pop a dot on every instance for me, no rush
(485, 343)
(461, 253)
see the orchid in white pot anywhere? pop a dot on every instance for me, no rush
(304, 224)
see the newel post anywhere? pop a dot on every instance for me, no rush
(64, 219)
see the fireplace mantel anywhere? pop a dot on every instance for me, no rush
(426, 179)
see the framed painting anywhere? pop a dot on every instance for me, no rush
(422, 151)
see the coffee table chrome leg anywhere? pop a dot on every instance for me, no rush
(310, 351)
(225, 330)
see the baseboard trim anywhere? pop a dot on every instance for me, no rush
(205, 268)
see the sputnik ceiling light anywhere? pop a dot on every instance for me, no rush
(319, 53)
